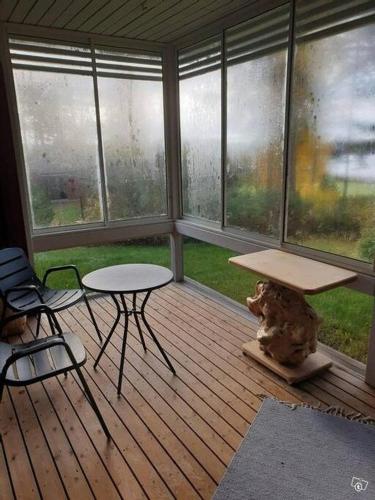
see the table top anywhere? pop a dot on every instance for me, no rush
(295, 272)
(127, 278)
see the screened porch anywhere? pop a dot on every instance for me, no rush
(182, 134)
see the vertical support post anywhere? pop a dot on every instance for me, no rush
(223, 128)
(172, 149)
(177, 253)
(16, 223)
(287, 127)
(370, 368)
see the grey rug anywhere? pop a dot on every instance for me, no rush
(298, 453)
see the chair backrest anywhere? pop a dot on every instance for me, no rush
(15, 269)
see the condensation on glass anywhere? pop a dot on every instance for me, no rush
(59, 136)
(331, 199)
(200, 122)
(256, 56)
(255, 143)
(131, 114)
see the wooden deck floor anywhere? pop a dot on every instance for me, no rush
(172, 436)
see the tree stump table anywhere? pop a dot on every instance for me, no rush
(287, 338)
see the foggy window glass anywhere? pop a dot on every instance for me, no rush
(255, 135)
(132, 123)
(200, 122)
(59, 136)
(332, 170)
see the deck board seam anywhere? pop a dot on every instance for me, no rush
(138, 415)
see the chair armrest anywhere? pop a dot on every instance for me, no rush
(25, 288)
(63, 268)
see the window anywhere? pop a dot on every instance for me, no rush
(256, 55)
(55, 87)
(131, 115)
(200, 123)
(59, 136)
(332, 167)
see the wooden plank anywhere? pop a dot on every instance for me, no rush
(6, 487)
(295, 272)
(21, 472)
(196, 387)
(163, 396)
(156, 449)
(159, 427)
(21, 11)
(158, 419)
(49, 480)
(38, 10)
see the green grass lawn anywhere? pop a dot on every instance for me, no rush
(347, 314)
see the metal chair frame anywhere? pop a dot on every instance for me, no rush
(38, 345)
(24, 283)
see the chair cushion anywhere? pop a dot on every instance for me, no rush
(43, 364)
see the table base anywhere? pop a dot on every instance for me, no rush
(138, 314)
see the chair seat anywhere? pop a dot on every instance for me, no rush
(42, 364)
(57, 300)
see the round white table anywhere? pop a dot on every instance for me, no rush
(118, 281)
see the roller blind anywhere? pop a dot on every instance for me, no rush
(50, 55)
(130, 65)
(81, 59)
(259, 36)
(316, 16)
(200, 58)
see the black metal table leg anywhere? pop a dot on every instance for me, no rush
(111, 331)
(126, 326)
(152, 333)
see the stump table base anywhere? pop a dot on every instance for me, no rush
(316, 363)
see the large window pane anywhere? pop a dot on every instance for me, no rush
(59, 136)
(332, 171)
(200, 121)
(255, 135)
(132, 123)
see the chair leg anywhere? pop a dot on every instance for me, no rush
(93, 318)
(92, 402)
(107, 339)
(38, 326)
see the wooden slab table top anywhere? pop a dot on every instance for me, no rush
(305, 276)
(301, 274)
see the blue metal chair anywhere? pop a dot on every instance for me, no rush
(24, 364)
(21, 289)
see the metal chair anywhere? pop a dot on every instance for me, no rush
(21, 289)
(24, 364)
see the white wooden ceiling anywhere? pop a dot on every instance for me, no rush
(153, 20)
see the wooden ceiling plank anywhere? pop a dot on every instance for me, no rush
(111, 27)
(90, 11)
(186, 16)
(110, 10)
(7, 8)
(152, 14)
(200, 19)
(38, 11)
(153, 28)
(22, 9)
(69, 14)
(233, 18)
(54, 11)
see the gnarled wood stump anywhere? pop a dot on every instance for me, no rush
(288, 324)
